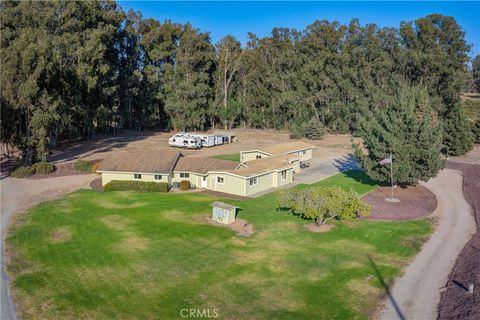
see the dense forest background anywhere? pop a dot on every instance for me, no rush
(72, 69)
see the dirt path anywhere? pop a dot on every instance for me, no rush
(417, 293)
(21, 194)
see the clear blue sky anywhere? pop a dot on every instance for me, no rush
(238, 18)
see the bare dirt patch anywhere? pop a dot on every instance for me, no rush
(319, 229)
(60, 235)
(415, 203)
(242, 227)
(116, 222)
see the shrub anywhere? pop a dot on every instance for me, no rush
(94, 167)
(184, 185)
(22, 172)
(141, 186)
(82, 166)
(324, 204)
(297, 131)
(43, 167)
(476, 130)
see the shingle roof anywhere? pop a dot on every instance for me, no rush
(203, 164)
(264, 165)
(287, 147)
(140, 160)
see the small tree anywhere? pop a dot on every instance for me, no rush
(457, 138)
(314, 129)
(406, 127)
(324, 204)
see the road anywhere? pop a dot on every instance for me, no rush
(417, 293)
(21, 194)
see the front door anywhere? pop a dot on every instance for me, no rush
(204, 182)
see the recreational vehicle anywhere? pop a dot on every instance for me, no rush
(184, 141)
(206, 140)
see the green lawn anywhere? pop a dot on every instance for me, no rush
(231, 157)
(149, 255)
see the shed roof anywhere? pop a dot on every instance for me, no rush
(223, 205)
(141, 160)
(204, 164)
(287, 147)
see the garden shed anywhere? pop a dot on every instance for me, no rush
(223, 212)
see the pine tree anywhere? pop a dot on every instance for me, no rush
(406, 128)
(457, 137)
(314, 129)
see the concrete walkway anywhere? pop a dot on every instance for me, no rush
(417, 293)
(18, 195)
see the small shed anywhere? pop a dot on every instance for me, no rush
(223, 212)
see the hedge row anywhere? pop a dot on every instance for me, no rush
(118, 185)
(27, 171)
(82, 166)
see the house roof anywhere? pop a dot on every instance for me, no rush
(264, 165)
(203, 164)
(222, 205)
(141, 160)
(284, 148)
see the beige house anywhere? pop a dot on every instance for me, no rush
(296, 148)
(249, 177)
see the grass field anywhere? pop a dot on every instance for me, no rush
(231, 157)
(148, 256)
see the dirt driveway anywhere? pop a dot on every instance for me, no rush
(417, 293)
(18, 195)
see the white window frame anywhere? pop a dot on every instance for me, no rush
(254, 180)
(281, 175)
(269, 176)
(157, 177)
(220, 182)
(137, 176)
(304, 152)
(186, 175)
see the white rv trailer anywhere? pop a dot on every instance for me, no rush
(206, 140)
(183, 140)
(218, 140)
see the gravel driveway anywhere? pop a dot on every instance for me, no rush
(21, 194)
(417, 293)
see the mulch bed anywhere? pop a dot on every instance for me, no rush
(323, 228)
(96, 185)
(415, 202)
(456, 302)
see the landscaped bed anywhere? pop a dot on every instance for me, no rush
(150, 255)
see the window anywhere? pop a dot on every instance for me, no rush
(158, 177)
(258, 156)
(184, 175)
(253, 181)
(284, 174)
(303, 152)
(137, 176)
(220, 180)
(269, 176)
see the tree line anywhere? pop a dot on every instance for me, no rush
(76, 68)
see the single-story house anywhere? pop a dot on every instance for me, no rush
(239, 178)
(139, 165)
(296, 148)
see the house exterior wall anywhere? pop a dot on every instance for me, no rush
(129, 176)
(303, 157)
(231, 184)
(264, 182)
(194, 178)
(280, 182)
(252, 155)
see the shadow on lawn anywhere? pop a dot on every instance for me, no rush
(385, 286)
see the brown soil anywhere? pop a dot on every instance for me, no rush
(456, 302)
(415, 202)
(323, 228)
(62, 169)
(242, 227)
(96, 185)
